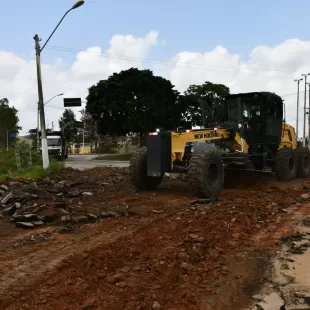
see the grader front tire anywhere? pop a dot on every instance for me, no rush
(206, 173)
(138, 171)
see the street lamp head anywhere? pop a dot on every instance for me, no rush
(77, 4)
(60, 94)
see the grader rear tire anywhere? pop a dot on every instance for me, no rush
(286, 165)
(138, 171)
(206, 173)
(303, 162)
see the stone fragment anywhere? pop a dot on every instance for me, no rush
(156, 305)
(6, 198)
(4, 187)
(87, 194)
(25, 225)
(115, 278)
(92, 216)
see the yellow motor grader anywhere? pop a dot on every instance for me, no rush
(249, 133)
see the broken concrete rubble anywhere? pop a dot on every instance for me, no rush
(49, 201)
(271, 302)
(290, 275)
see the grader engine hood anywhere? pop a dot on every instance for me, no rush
(164, 148)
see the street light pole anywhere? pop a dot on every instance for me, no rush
(297, 112)
(45, 158)
(38, 49)
(83, 137)
(305, 109)
(309, 118)
(53, 98)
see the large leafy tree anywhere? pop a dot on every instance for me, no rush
(208, 95)
(8, 122)
(67, 124)
(134, 101)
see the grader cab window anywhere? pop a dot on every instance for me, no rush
(251, 109)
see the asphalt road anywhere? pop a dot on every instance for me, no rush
(83, 162)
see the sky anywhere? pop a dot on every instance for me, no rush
(247, 45)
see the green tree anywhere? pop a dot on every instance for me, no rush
(8, 122)
(67, 125)
(134, 101)
(208, 95)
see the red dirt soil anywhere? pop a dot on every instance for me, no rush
(161, 253)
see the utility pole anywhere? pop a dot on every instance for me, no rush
(305, 109)
(309, 118)
(297, 112)
(45, 158)
(38, 49)
(38, 127)
(83, 136)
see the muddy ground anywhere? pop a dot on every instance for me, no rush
(88, 240)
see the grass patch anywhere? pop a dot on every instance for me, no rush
(36, 171)
(115, 157)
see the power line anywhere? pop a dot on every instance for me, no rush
(292, 94)
(154, 59)
(169, 63)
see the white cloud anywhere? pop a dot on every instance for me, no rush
(254, 73)
(268, 68)
(19, 84)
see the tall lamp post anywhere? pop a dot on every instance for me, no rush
(305, 109)
(297, 112)
(38, 117)
(309, 118)
(39, 50)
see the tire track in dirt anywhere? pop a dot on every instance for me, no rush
(27, 270)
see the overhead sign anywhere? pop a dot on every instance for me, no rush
(13, 135)
(72, 102)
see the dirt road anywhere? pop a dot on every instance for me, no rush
(83, 162)
(93, 242)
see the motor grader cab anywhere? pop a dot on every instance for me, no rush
(249, 133)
